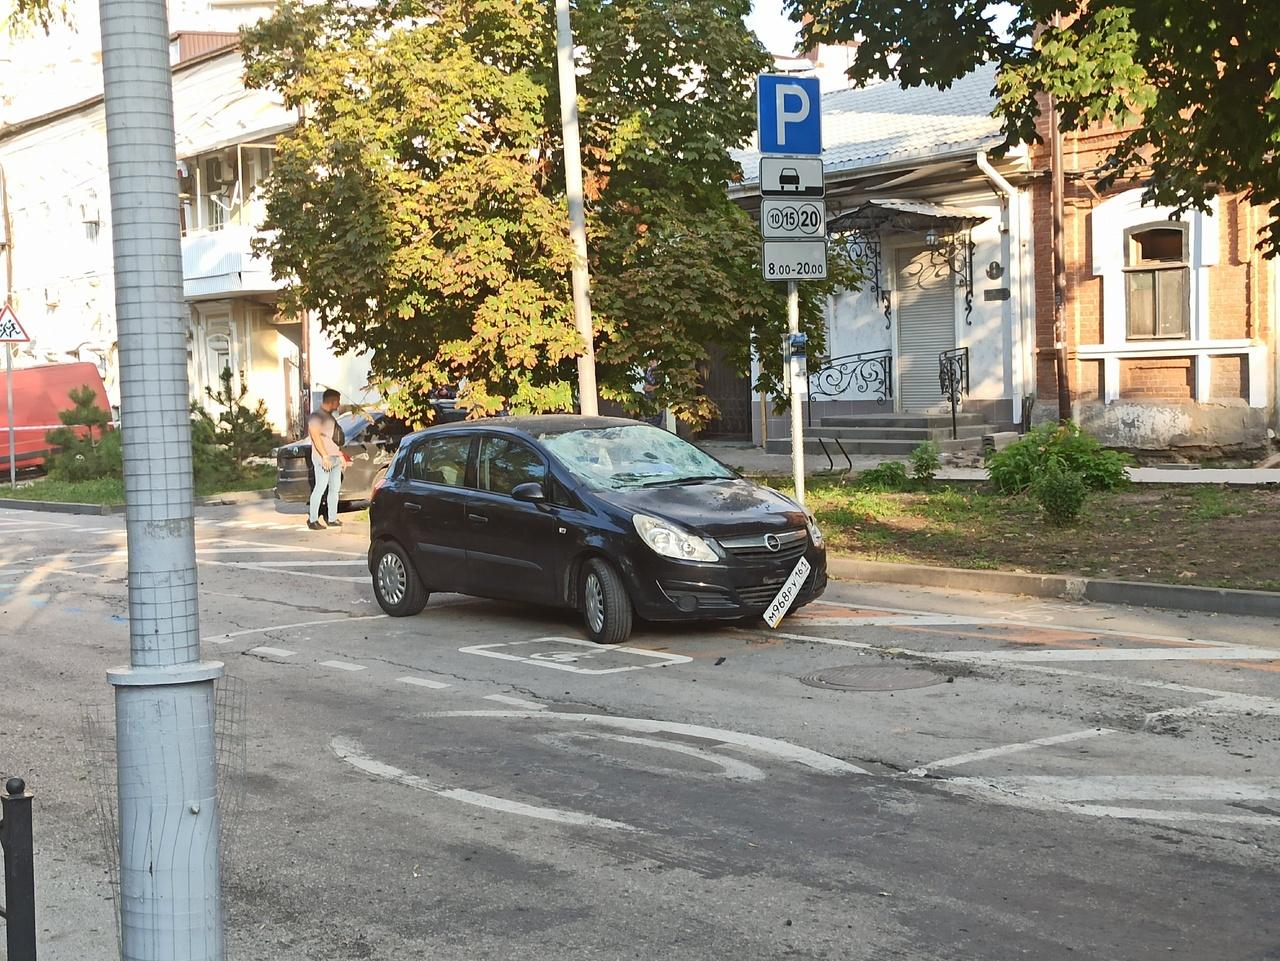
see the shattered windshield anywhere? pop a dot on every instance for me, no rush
(633, 456)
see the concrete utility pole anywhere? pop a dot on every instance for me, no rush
(587, 395)
(170, 887)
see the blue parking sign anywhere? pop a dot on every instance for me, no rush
(790, 115)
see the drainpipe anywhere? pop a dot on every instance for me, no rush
(1018, 312)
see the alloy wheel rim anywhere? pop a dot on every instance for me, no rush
(392, 580)
(595, 603)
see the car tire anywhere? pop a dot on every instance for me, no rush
(396, 585)
(606, 605)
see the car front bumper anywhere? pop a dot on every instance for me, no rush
(663, 590)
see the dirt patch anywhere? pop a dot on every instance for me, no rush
(1209, 536)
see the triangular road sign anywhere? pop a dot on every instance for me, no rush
(11, 331)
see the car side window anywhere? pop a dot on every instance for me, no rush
(441, 460)
(506, 464)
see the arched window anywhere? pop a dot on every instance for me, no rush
(1157, 281)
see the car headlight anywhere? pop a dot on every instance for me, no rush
(815, 534)
(670, 541)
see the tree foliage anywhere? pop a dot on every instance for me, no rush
(83, 448)
(1202, 78)
(238, 430)
(419, 209)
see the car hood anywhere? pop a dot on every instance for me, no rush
(719, 508)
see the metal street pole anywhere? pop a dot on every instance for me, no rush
(8, 390)
(797, 393)
(587, 394)
(170, 885)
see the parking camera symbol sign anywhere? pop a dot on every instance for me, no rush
(790, 115)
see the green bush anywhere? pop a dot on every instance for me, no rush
(926, 462)
(1061, 493)
(889, 476)
(211, 464)
(1017, 467)
(241, 430)
(84, 449)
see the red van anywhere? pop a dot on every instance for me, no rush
(39, 394)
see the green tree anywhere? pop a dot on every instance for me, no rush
(1203, 78)
(238, 429)
(83, 447)
(419, 210)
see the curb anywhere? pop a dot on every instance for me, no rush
(235, 497)
(1178, 597)
(61, 507)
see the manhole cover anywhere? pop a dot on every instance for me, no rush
(887, 677)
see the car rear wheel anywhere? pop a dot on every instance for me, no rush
(606, 606)
(396, 584)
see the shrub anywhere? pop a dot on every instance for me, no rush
(80, 453)
(211, 464)
(1017, 467)
(889, 476)
(241, 430)
(1061, 493)
(926, 462)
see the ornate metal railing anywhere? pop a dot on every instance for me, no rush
(868, 372)
(953, 378)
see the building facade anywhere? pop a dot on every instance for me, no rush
(58, 243)
(1168, 322)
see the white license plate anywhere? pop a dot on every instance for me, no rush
(787, 596)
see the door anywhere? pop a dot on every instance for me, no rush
(926, 317)
(512, 546)
(435, 510)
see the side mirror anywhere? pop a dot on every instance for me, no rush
(531, 493)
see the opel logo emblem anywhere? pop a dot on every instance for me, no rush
(771, 541)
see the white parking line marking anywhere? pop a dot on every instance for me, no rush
(228, 638)
(353, 753)
(290, 573)
(272, 651)
(515, 702)
(782, 750)
(343, 666)
(567, 660)
(303, 560)
(1004, 749)
(1138, 787)
(423, 682)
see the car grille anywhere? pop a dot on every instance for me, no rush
(761, 595)
(756, 547)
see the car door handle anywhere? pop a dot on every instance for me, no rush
(411, 506)
(477, 518)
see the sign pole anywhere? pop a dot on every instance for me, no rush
(798, 392)
(8, 390)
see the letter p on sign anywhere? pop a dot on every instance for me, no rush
(790, 115)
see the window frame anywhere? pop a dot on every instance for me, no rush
(1133, 266)
(468, 468)
(477, 452)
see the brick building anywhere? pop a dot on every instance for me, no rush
(1169, 323)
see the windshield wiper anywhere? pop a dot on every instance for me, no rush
(691, 479)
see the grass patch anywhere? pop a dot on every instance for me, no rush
(1178, 534)
(108, 491)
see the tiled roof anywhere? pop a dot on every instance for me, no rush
(884, 124)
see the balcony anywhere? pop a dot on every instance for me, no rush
(221, 263)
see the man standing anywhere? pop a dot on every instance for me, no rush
(326, 460)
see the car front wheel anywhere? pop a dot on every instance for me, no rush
(396, 584)
(606, 606)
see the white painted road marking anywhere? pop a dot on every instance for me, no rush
(273, 651)
(730, 768)
(354, 754)
(515, 702)
(423, 682)
(782, 750)
(566, 660)
(1232, 653)
(1004, 749)
(343, 665)
(228, 638)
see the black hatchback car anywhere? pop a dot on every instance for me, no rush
(606, 516)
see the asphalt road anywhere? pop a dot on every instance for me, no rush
(1035, 780)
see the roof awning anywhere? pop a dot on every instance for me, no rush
(884, 215)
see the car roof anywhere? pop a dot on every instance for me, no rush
(529, 426)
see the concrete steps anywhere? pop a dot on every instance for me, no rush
(889, 435)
